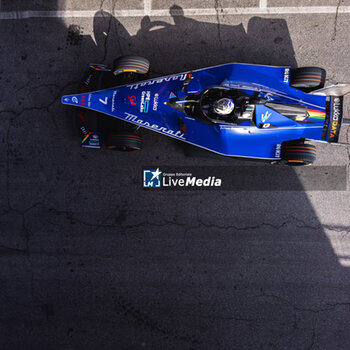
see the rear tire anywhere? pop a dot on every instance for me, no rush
(308, 78)
(133, 64)
(124, 142)
(298, 153)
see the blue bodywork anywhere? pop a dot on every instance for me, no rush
(145, 103)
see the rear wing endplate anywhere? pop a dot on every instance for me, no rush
(338, 89)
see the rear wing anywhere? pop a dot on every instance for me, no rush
(334, 115)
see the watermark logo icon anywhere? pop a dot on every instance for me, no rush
(152, 178)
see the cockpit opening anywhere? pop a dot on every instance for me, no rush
(218, 104)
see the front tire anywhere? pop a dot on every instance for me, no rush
(131, 64)
(125, 142)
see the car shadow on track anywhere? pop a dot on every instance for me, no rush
(190, 44)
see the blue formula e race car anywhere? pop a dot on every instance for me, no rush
(240, 110)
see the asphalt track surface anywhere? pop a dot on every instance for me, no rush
(90, 260)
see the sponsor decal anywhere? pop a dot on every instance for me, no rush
(314, 114)
(132, 100)
(278, 150)
(187, 81)
(157, 81)
(335, 119)
(266, 125)
(145, 98)
(269, 97)
(113, 100)
(75, 99)
(66, 99)
(286, 75)
(136, 120)
(155, 102)
(89, 100)
(82, 100)
(83, 131)
(152, 178)
(224, 127)
(92, 140)
(95, 140)
(265, 116)
(157, 179)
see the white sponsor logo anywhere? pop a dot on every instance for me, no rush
(265, 116)
(113, 100)
(155, 102)
(135, 119)
(66, 99)
(269, 97)
(145, 98)
(286, 75)
(157, 81)
(278, 150)
(266, 125)
(83, 130)
(75, 99)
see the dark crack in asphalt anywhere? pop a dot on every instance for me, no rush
(312, 341)
(141, 318)
(217, 5)
(336, 21)
(108, 32)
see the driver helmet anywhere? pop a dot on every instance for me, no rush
(224, 106)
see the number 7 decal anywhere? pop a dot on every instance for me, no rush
(104, 101)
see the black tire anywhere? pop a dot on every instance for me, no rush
(133, 64)
(308, 78)
(124, 142)
(298, 153)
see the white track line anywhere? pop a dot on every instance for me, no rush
(181, 12)
(147, 7)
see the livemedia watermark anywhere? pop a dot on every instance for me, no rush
(246, 178)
